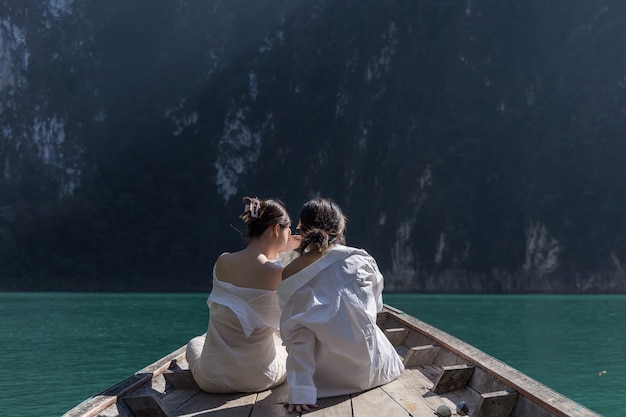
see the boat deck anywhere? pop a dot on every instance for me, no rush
(409, 395)
(440, 370)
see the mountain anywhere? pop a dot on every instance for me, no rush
(475, 146)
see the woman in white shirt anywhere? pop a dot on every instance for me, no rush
(242, 350)
(330, 297)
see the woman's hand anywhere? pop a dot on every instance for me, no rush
(293, 242)
(298, 408)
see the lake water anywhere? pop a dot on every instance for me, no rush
(59, 349)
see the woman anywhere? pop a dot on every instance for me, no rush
(330, 297)
(242, 350)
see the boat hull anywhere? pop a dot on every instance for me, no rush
(441, 370)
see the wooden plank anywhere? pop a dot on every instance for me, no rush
(451, 399)
(237, 406)
(495, 404)
(452, 378)
(276, 395)
(144, 406)
(92, 406)
(396, 335)
(416, 386)
(340, 406)
(431, 372)
(272, 410)
(180, 379)
(216, 405)
(381, 317)
(110, 396)
(376, 403)
(401, 350)
(545, 397)
(420, 356)
(417, 339)
(481, 381)
(526, 408)
(408, 394)
(410, 391)
(175, 401)
(270, 403)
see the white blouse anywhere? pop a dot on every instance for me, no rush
(242, 351)
(328, 325)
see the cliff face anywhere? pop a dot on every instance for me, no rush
(475, 146)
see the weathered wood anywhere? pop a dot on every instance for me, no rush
(270, 403)
(401, 350)
(420, 356)
(482, 381)
(92, 406)
(180, 379)
(376, 403)
(217, 405)
(495, 404)
(525, 407)
(144, 406)
(177, 402)
(452, 378)
(417, 386)
(417, 339)
(381, 317)
(275, 410)
(276, 395)
(332, 407)
(97, 403)
(237, 406)
(544, 397)
(410, 391)
(396, 335)
(435, 363)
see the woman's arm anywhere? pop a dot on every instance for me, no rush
(300, 263)
(300, 345)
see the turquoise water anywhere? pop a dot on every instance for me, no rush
(573, 344)
(59, 349)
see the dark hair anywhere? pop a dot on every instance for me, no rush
(322, 223)
(266, 214)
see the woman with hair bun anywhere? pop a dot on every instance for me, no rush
(242, 350)
(330, 296)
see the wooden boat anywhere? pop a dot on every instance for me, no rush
(441, 370)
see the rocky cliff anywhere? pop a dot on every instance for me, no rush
(476, 146)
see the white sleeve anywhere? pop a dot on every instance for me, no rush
(368, 274)
(300, 345)
(377, 285)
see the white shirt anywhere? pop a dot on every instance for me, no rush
(243, 350)
(328, 325)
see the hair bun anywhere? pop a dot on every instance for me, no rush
(260, 214)
(322, 223)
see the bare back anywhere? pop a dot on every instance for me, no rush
(248, 270)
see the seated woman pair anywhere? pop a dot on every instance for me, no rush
(324, 302)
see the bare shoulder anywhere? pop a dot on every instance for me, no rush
(226, 255)
(266, 276)
(223, 260)
(243, 270)
(272, 270)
